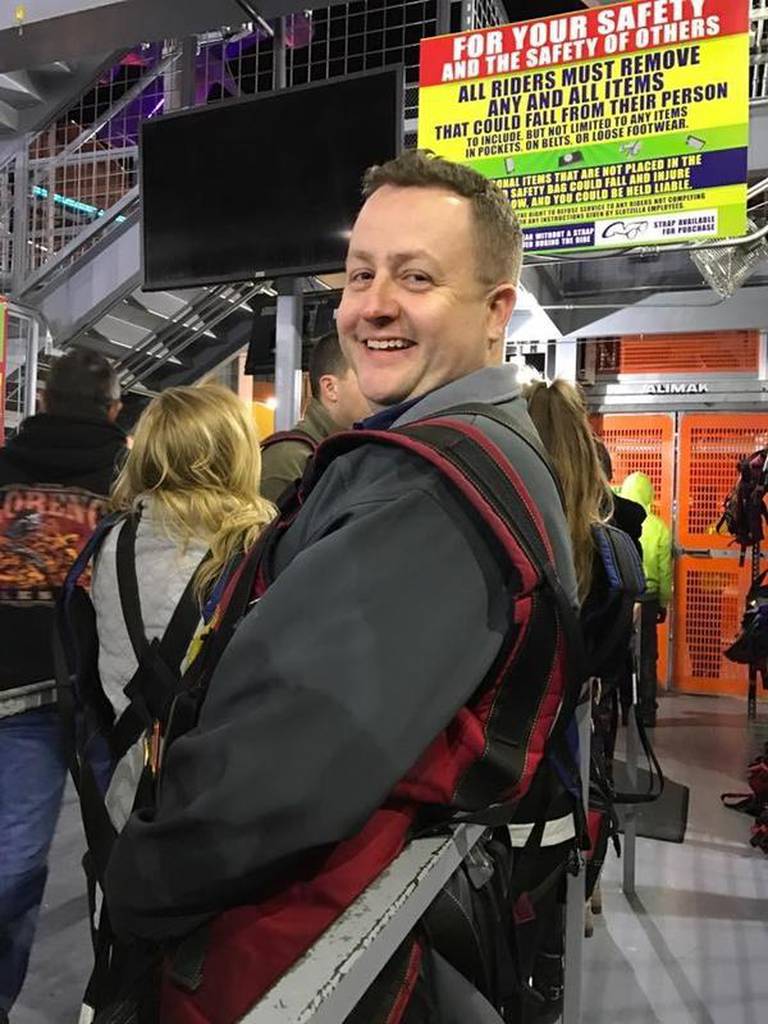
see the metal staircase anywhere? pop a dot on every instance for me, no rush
(29, 98)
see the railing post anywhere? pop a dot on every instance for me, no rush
(30, 367)
(632, 750)
(443, 17)
(288, 353)
(21, 202)
(187, 72)
(49, 237)
(576, 885)
(280, 64)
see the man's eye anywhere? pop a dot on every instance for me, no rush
(359, 276)
(417, 277)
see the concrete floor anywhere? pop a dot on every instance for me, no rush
(690, 948)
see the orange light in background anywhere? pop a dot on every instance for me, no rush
(264, 418)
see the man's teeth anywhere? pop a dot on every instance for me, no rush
(380, 343)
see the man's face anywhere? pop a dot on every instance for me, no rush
(414, 315)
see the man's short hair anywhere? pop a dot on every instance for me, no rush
(499, 241)
(326, 357)
(81, 383)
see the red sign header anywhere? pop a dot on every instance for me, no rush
(570, 38)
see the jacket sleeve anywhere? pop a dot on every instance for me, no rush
(664, 559)
(281, 464)
(357, 656)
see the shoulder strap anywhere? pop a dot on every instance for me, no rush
(621, 563)
(497, 415)
(156, 680)
(183, 622)
(89, 552)
(485, 477)
(299, 436)
(128, 586)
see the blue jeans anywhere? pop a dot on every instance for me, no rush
(33, 771)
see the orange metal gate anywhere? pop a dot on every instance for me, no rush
(645, 444)
(710, 587)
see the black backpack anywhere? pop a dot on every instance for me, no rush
(96, 739)
(744, 509)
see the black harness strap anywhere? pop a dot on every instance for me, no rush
(299, 436)
(156, 680)
(455, 442)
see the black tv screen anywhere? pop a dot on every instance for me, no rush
(266, 186)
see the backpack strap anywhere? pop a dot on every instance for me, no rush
(492, 488)
(491, 485)
(496, 414)
(67, 651)
(623, 569)
(156, 681)
(299, 436)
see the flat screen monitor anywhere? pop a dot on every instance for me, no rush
(268, 186)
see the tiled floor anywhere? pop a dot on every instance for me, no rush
(691, 948)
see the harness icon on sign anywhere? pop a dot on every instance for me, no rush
(620, 229)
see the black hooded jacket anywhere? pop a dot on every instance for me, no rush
(54, 476)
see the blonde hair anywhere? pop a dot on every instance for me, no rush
(196, 455)
(560, 416)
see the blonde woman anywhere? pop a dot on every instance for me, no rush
(560, 417)
(189, 488)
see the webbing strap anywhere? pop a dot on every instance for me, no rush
(156, 680)
(299, 436)
(493, 486)
(497, 415)
(654, 770)
(484, 467)
(128, 586)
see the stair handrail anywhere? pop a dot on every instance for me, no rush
(19, 179)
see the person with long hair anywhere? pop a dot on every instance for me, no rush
(192, 482)
(560, 417)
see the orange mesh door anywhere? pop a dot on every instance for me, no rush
(644, 444)
(711, 445)
(711, 592)
(709, 601)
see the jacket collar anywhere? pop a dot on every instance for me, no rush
(317, 421)
(493, 384)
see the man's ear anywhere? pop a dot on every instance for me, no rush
(329, 387)
(501, 303)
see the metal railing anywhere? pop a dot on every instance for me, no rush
(192, 322)
(77, 179)
(23, 342)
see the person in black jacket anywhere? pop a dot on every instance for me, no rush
(628, 515)
(54, 476)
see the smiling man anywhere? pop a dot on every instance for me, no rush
(387, 610)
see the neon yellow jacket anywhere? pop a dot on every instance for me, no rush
(655, 540)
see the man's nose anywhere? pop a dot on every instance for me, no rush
(380, 300)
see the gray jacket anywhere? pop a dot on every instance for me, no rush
(163, 570)
(387, 611)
